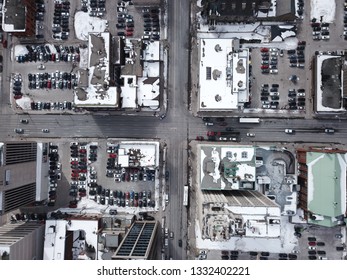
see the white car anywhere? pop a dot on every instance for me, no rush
(274, 93)
(273, 71)
(301, 93)
(289, 131)
(250, 134)
(45, 130)
(311, 248)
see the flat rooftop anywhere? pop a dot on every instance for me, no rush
(14, 16)
(329, 83)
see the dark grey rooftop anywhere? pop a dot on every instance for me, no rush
(331, 82)
(15, 14)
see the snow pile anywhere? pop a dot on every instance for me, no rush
(20, 50)
(323, 8)
(24, 103)
(83, 58)
(85, 24)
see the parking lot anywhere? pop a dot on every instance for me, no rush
(49, 67)
(275, 79)
(90, 170)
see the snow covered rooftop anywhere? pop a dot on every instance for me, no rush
(140, 74)
(246, 213)
(223, 74)
(147, 152)
(99, 93)
(238, 163)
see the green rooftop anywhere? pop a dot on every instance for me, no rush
(326, 197)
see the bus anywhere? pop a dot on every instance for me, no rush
(185, 196)
(249, 120)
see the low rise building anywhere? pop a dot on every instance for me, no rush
(223, 75)
(322, 180)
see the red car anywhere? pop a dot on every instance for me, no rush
(312, 243)
(129, 34)
(83, 170)
(74, 162)
(112, 155)
(130, 29)
(264, 67)
(49, 84)
(264, 49)
(82, 151)
(17, 96)
(199, 138)
(74, 175)
(73, 204)
(211, 133)
(127, 195)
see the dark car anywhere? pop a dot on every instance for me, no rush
(180, 242)
(167, 175)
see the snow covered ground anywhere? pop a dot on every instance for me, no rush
(323, 8)
(85, 24)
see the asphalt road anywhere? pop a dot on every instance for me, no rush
(176, 129)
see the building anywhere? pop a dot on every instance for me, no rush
(227, 167)
(22, 241)
(223, 75)
(245, 213)
(139, 242)
(17, 176)
(322, 181)
(84, 235)
(248, 11)
(18, 17)
(329, 83)
(244, 190)
(98, 92)
(121, 74)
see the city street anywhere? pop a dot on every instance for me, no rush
(178, 128)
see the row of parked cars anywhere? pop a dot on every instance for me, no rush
(320, 30)
(54, 173)
(97, 8)
(79, 171)
(296, 99)
(269, 96)
(54, 80)
(345, 20)
(269, 60)
(151, 24)
(297, 56)
(17, 86)
(66, 105)
(125, 21)
(119, 198)
(60, 26)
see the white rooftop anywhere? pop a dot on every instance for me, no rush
(218, 79)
